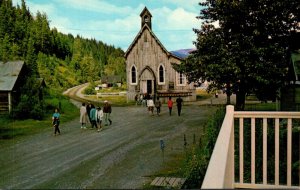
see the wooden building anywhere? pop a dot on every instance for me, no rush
(149, 66)
(110, 81)
(10, 83)
(290, 94)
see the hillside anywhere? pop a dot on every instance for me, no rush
(61, 59)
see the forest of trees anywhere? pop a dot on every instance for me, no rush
(62, 60)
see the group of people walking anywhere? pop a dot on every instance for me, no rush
(90, 114)
(179, 103)
(95, 115)
(157, 104)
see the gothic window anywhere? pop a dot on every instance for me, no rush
(161, 74)
(181, 80)
(133, 75)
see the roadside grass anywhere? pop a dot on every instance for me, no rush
(11, 129)
(193, 164)
(202, 95)
(114, 100)
(261, 107)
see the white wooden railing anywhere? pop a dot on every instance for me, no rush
(220, 172)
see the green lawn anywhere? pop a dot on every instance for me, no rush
(202, 95)
(261, 107)
(114, 100)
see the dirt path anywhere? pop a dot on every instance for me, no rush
(119, 157)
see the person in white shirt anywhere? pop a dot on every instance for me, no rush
(83, 116)
(99, 116)
(150, 105)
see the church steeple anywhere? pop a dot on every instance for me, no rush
(146, 17)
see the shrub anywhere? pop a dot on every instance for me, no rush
(90, 90)
(199, 156)
(28, 107)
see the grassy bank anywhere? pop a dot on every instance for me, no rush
(193, 164)
(12, 128)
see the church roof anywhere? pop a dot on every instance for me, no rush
(145, 27)
(145, 10)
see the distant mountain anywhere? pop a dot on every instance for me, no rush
(183, 53)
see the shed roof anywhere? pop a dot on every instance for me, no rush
(9, 73)
(111, 79)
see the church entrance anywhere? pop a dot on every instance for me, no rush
(149, 86)
(147, 81)
(146, 86)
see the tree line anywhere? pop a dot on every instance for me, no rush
(62, 60)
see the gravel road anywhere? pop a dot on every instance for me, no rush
(119, 157)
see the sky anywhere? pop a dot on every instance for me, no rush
(117, 22)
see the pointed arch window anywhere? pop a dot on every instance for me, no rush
(181, 79)
(161, 74)
(133, 75)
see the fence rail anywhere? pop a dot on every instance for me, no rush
(221, 174)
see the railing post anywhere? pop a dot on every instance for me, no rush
(253, 150)
(241, 151)
(220, 170)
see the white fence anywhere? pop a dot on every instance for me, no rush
(220, 172)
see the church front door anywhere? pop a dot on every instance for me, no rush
(149, 86)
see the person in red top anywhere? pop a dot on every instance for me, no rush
(170, 105)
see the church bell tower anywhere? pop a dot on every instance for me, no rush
(146, 18)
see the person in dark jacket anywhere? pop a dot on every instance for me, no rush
(88, 109)
(179, 105)
(158, 105)
(106, 113)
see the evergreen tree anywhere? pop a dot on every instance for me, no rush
(5, 52)
(31, 58)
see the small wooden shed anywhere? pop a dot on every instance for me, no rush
(290, 94)
(10, 83)
(109, 81)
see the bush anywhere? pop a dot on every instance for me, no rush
(28, 107)
(51, 104)
(199, 156)
(90, 90)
